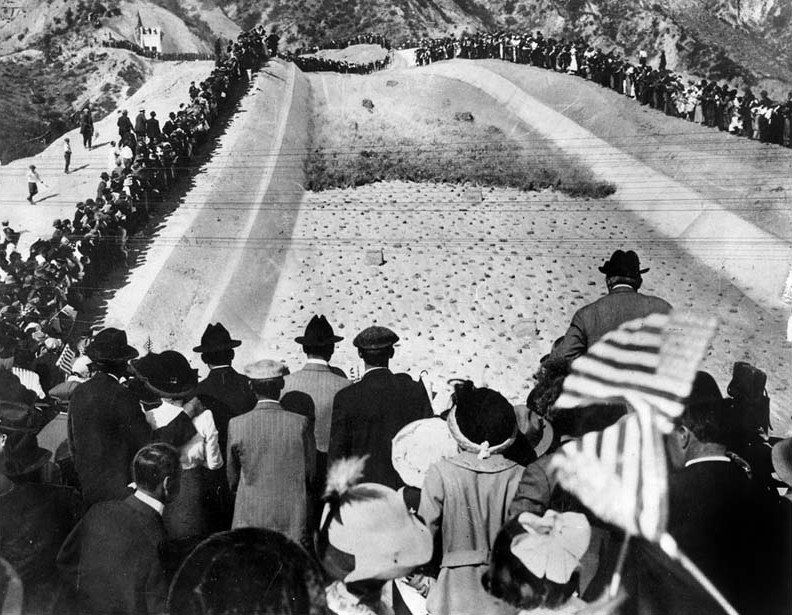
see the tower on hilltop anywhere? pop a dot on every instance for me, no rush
(148, 37)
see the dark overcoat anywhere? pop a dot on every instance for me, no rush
(106, 427)
(368, 414)
(110, 563)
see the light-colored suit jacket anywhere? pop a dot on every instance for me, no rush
(320, 383)
(271, 459)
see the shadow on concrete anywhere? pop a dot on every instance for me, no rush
(94, 308)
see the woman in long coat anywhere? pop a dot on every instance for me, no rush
(466, 498)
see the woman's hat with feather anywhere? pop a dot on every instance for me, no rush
(367, 531)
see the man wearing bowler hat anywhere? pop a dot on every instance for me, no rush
(311, 390)
(271, 458)
(369, 413)
(623, 303)
(106, 425)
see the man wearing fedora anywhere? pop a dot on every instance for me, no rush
(368, 414)
(35, 518)
(314, 387)
(623, 303)
(271, 458)
(224, 391)
(106, 426)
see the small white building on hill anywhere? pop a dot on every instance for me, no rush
(148, 37)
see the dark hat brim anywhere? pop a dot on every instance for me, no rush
(97, 356)
(302, 339)
(183, 393)
(229, 345)
(607, 271)
(16, 406)
(40, 460)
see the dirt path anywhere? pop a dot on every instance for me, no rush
(167, 88)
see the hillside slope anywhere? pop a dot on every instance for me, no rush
(52, 59)
(749, 41)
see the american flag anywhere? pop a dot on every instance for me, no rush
(66, 360)
(649, 365)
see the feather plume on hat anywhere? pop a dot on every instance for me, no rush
(343, 475)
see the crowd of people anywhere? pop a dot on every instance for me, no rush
(704, 101)
(273, 490)
(368, 38)
(41, 293)
(312, 63)
(122, 43)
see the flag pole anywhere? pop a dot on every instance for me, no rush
(670, 547)
(616, 579)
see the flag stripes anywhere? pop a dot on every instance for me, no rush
(648, 365)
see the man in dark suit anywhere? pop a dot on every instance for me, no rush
(140, 124)
(731, 529)
(110, 562)
(106, 425)
(224, 391)
(228, 394)
(368, 414)
(311, 391)
(623, 277)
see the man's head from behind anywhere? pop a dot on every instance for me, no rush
(156, 471)
(248, 570)
(623, 268)
(702, 428)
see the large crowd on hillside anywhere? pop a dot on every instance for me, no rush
(626, 483)
(312, 63)
(704, 101)
(41, 292)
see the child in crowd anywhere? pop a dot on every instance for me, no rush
(535, 562)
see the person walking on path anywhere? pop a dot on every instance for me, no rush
(33, 180)
(67, 151)
(86, 127)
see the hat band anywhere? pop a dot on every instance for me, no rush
(483, 450)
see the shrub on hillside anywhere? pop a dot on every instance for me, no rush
(456, 153)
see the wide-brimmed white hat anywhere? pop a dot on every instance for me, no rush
(420, 444)
(369, 524)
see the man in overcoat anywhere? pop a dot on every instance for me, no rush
(111, 563)
(369, 413)
(271, 459)
(106, 426)
(623, 277)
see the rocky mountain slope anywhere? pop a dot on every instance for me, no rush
(52, 59)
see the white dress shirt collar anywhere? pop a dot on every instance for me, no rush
(149, 501)
(707, 458)
(372, 369)
(318, 362)
(218, 366)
